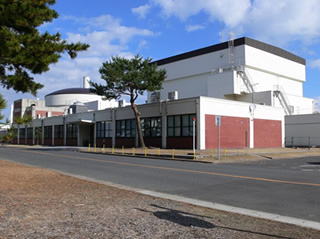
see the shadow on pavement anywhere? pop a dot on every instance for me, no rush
(188, 219)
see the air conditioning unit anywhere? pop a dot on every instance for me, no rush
(121, 103)
(173, 95)
(155, 97)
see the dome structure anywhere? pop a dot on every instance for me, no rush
(67, 97)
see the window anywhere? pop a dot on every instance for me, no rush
(58, 131)
(180, 125)
(22, 133)
(126, 128)
(151, 127)
(47, 132)
(104, 129)
(38, 133)
(29, 133)
(72, 131)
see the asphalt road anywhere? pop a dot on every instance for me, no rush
(285, 187)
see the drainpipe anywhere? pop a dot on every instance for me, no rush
(42, 132)
(52, 135)
(113, 125)
(198, 129)
(64, 130)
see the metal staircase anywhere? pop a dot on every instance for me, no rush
(246, 79)
(279, 93)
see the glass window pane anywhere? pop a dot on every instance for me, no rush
(185, 131)
(154, 132)
(128, 124)
(177, 121)
(185, 120)
(170, 132)
(170, 121)
(177, 132)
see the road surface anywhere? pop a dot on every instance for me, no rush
(285, 187)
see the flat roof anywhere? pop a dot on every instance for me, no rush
(237, 42)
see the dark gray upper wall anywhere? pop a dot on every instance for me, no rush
(237, 42)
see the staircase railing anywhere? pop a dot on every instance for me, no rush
(280, 94)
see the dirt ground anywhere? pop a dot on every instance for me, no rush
(38, 203)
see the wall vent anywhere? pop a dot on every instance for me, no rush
(173, 95)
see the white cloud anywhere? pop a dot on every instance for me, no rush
(314, 63)
(230, 11)
(317, 104)
(192, 28)
(141, 11)
(280, 21)
(106, 36)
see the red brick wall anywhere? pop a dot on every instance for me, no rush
(234, 132)
(54, 113)
(267, 133)
(43, 113)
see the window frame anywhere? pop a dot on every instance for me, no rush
(126, 128)
(177, 126)
(103, 129)
(149, 125)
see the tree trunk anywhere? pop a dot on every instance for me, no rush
(138, 124)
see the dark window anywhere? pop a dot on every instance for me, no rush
(58, 131)
(126, 128)
(47, 132)
(151, 127)
(29, 133)
(180, 125)
(22, 133)
(38, 133)
(104, 129)
(72, 131)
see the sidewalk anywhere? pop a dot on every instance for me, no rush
(207, 156)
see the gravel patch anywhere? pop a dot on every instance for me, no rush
(38, 203)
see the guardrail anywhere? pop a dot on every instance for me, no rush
(302, 142)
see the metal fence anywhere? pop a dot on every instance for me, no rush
(302, 142)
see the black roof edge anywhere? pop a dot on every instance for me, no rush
(237, 42)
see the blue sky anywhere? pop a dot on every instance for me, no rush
(162, 28)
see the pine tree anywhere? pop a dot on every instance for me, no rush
(130, 77)
(24, 51)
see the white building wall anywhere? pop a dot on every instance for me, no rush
(258, 59)
(200, 76)
(237, 109)
(266, 81)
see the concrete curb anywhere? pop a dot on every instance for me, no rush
(216, 206)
